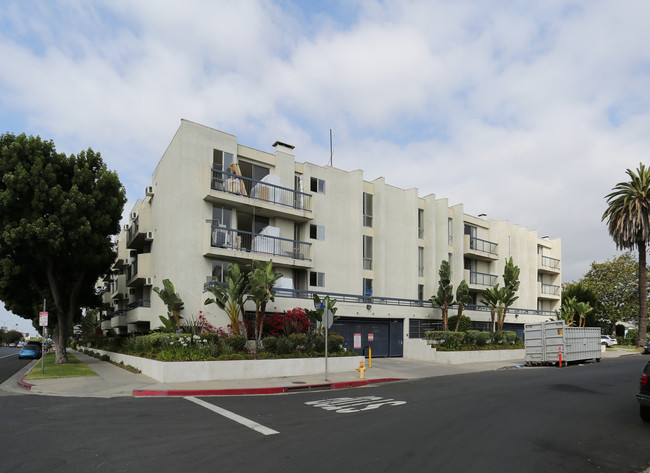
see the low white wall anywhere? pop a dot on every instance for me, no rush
(418, 349)
(188, 371)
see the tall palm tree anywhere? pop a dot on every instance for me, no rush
(628, 219)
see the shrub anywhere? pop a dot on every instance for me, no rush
(299, 341)
(471, 337)
(483, 339)
(285, 346)
(465, 323)
(454, 340)
(105, 358)
(270, 344)
(334, 343)
(290, 322)
(237, 343)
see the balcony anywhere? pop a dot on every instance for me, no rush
(243, 245)
(118, 286)
(480, 281)
(138, 311)
(268, 198)
(140, 230)
(139, 272)
(548, 265)
(118, 318)
(480, 249)
(548, 291)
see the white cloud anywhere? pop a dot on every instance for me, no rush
(528, 112)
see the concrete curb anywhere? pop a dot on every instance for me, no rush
(258, 391)
(24, 384)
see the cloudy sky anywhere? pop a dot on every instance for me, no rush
(529, 111)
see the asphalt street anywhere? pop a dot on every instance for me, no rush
(576, 419)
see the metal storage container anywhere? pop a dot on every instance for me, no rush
(545, 340)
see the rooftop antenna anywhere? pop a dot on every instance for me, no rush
(331, 149)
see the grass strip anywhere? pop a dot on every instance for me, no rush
(73, 369)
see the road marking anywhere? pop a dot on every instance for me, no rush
(232, 416)
(7, 356)
(345, 405)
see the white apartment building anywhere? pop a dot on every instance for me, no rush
(374, 247)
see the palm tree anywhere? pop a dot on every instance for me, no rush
(491, 297)
(582, 309)
(463, 298)
(628, 220)
(231, 297)
(261, 279)
(173, 302)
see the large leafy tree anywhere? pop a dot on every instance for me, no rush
(57, 214)
(615, 284)
(628, 222)
(445, 295)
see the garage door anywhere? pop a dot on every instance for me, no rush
(383, 337)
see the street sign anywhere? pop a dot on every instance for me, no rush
(42, 319)
(328, 318)
(371, 337)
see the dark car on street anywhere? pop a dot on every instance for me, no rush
(30, 350)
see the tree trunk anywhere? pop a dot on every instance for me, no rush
(460, 315)
(643, 295)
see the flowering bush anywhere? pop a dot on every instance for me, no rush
(292, 321)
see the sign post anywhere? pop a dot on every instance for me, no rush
(42, 321)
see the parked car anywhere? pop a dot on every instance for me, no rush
(30, 350)
(644, 394)
(608, 340)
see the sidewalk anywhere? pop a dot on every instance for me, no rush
(113, 381)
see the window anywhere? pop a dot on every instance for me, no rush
(420, 223)
(219, 270)
(316, 232)
(221, 160)
(450, 231)
(420, 292)
(450, 259)
(367, 287)
(316, 279)
(420, 261)
(222, 217)
(317, 185)
(367, 210)
(367, 252)
(253, 171)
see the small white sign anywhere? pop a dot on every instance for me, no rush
(42, 319)
(371, 337)
(357, 341)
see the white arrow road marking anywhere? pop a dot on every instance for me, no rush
(232, 416)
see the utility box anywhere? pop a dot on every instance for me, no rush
(545, 340)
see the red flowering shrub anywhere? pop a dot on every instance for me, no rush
(292, 321)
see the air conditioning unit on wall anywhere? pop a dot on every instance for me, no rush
(149, 191)
(149, 236)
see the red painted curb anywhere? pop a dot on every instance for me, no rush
(249, 391)
(24, 384)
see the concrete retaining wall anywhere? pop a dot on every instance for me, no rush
(418, 349)
(188, 371)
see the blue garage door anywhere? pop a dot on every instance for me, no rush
(383, 337)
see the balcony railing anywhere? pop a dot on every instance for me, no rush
(260, 190)
(550, 289)
(117, 313)
(482, 279)
(551, 263)
(139, 303)
(228, 238)
(483, 246)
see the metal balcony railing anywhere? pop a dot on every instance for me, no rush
(139, 303)
(231, 239)
(482, 279)
(550, 289)
(483, 246)
(551, 263)
(260, 190)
